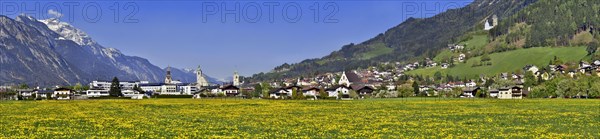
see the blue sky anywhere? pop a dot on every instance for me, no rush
(185, 34)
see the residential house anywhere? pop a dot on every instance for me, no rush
(278, 93)
(363, 90)
(312, 91)
(27, 93)
(230, 90)
(494, 93)
(471, 91)
(445, 65)
(290, 89)
(513, 92)
(44, 94)
(461, 57)
(471, 83)
(62, 93)
(597, 63)
(338, 90)
(533, 69)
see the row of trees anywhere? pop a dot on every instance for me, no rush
(567, 87)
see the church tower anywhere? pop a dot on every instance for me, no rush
(168, 78)
(200, 80)
(344, 79)
(236, 79)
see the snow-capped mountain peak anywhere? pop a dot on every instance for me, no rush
(69, 32)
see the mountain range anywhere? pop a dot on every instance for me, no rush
(50, 52)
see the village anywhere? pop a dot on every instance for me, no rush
(385, 81)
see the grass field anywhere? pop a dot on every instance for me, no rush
(509, 61)
(378, 118)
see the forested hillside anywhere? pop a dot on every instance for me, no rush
(411, 40)
(552, 23)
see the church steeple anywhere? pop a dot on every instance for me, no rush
(168, 78)
(236, 79)
(200, 80)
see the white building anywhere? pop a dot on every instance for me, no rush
(105, 85)
(62, 93)
(313, 91)
(489, 26)
(510, 93)
(200, 80)
(97, 92)
(236, 79)
(344, 79)
(336, 90)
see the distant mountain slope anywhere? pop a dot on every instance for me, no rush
(413, 39)
(50, 52)
(27, 55)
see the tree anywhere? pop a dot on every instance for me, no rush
(323, 94)
(246, 94)
(594, 89)
(297, 94)
(530, 80)
(592, 47)
(139, 89)
(405, 91)
(456, 92)
(79, 87)
(437, 76)
(415, 86)
(353, 94)
(257, 90)
(115, 88)
(265, 89)
(23, 86)
(502, 83)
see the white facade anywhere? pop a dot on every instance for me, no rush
(311, 92)
(62, 94)
(187, 89)
(510, 93)
(344, 79)
(105, 85)
(97, 93)
(169, 89)
(200, 80)
(151, 88)
(337, 91)
(471, 84)
(236, 79)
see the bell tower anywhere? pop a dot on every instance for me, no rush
(236, 79)
(168, 78)
(200, 80)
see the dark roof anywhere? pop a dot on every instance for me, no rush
(336, 87)
(276, 90)
(62, 89)
(470, 89)
(26, 90)
(509, 87)
(312, 88)
(360, 87)
(353, 77)
(45, 91)
(293, 86)
(229, 87)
